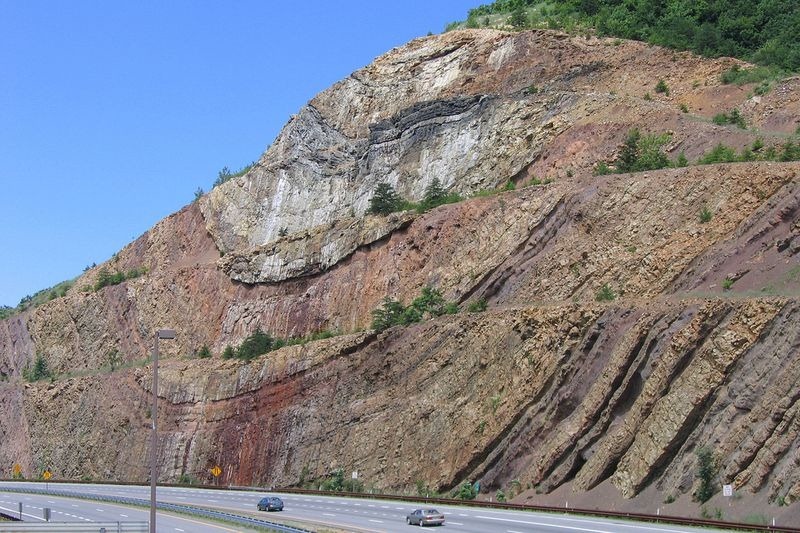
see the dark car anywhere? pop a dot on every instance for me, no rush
(425, 517)
(270, 503)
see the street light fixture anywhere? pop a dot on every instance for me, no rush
(160, 334)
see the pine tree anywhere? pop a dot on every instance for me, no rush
(385, 200)
(434, 194)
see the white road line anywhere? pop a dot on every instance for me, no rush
(513, 531)
(328, 514)
(459, 524)
(376, 521)
(178, 529)
(123, 515)
(545, 524)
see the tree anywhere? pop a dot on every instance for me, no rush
(626, 162)
(256, 344)
(518, 19)
(706, 469)
(385, 200)
(228, 352)
(435, 194)
(391, 313)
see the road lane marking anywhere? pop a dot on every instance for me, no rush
(545, 524)
(376, 521)
(459, 524)
(328, 514)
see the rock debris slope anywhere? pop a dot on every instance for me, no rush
(549, 388)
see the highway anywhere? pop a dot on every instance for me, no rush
(357, 515)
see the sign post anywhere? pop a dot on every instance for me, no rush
(47, 475)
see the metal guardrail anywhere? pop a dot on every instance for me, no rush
(75, 527)
(138, 502)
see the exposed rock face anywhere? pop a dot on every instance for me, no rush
(549, 386)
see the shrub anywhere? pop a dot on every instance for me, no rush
(434, 193)
(204, 352)
(719, 154)
(639, 153)
(601, 169)
(466, 492)
(38, 371)
(258, 343)
(681, 161)
(114, 358)
(228, 352)
(389, 314)
(500, 496)
(393, 313)
(727, 283)
(647, 97)
(684, 108)
(661, 87)
(705, 214)
(478, 306)
(706, 470)
(518, 19)
(734, 117)
(791, 152)
(385, 200)
(605, 294)
(226, 174)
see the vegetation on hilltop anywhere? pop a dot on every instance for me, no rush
(763, 31)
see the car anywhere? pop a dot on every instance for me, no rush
(425, 517)
(270, 503)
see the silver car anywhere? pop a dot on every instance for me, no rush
(425, 517)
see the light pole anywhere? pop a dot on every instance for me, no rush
(160, 334)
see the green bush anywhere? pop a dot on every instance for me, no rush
(465, 492)
(706, 470)
(661, 87)
(478, 306)
(705, 214)
(38, 371)
(605, 294)
(258, 343)
(226, 174)
(791, 152)
(385, 200)
(392, 312)
(764, 31)
(727, 283)
(228, 352)
(204, 352)
(639, 153)
(107, 278)
(734, 117)
(719, 154)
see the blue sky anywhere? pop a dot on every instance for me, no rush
(113, 113)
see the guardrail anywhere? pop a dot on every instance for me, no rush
(76, 527)
(138, 502)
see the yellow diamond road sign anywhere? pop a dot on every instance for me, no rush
(17, 469)
(216, 471)
(47, 475)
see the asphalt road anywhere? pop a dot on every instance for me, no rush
(72, 510)
(357, 515)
